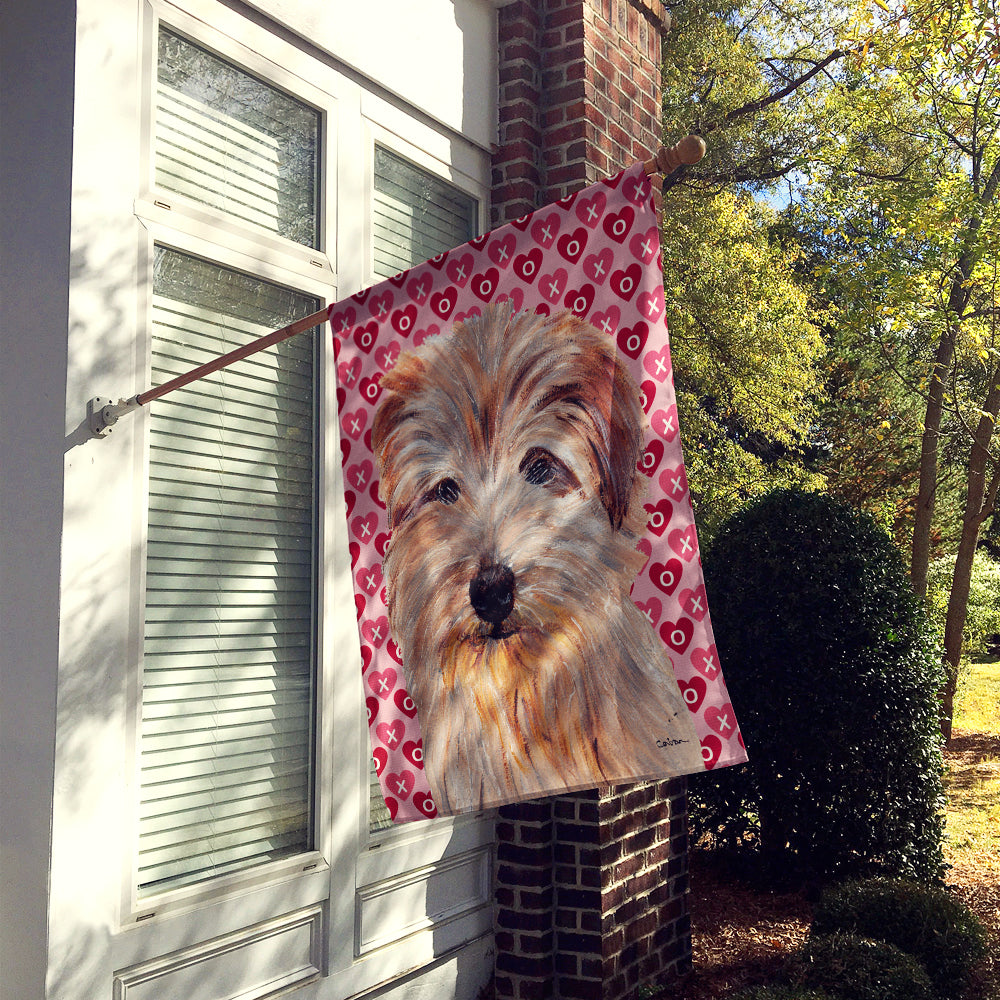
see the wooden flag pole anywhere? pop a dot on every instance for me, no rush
(103, 413)
(687, 152)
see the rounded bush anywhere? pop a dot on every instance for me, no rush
(925, 922)
(782, 993)
(833, 671)
(856, 968)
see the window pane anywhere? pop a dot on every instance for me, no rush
(226, 139)
(228, 678)
(417, 215)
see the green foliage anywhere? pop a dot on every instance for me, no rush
(983, 612)
(857, 968)
(834, 672)
(779, 992)
(924, 921)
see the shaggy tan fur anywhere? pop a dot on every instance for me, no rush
(507, 452)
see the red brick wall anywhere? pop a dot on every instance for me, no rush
(591, 888)
(579, 96)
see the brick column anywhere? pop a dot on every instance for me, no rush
(591, 888)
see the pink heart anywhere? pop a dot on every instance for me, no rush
(394, 652)
(485, 284)
(369, 579)
(695, 602)
(607, 321)
(501, 251)
(590, 210)
(553, 285)
(382, 682)
(597, 266)
(664, 422)
(381, 758)
(706, 662)
(637, 188)
(419, 288)
(376, 632)
(644, 245)
(526, 265)
(369, 389)
(580, 300)
(674, 482)
(722, 720)
(371, 704)
(651, 610)
(360, 474)
(421, 335)
(544, 231)
(363, 528)
(572, 245)
(443, 303)
(387, 356)
(401, 784)
(515, 296)
(657, 363)
(646, 549)
(684, 542)
(343, 320)
(459, 270)
(651, 305)
(391, 733)
(403, 319)
(380, 305)
(647, 393)
(364, 337)
(348, 373)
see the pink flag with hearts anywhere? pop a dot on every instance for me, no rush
(531, 608)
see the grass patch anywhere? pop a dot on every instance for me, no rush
(973, 780)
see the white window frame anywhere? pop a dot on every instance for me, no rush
(351, 873)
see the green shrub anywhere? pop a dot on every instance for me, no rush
(925, 922)
(982, 619)
(833, 672)
(782, 993)
(856, 968)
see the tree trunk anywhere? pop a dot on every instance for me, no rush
(920, 553)
(980, 498)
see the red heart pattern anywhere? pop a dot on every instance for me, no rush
(595, 253)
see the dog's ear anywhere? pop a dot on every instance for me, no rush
(624, 444)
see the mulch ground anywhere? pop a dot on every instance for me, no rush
(742, 935)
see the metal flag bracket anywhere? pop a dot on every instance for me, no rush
(103, 413)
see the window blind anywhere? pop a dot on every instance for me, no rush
(415, 216)
(228, 655)
(228, 140)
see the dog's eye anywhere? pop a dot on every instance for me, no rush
(538, 467)
(447, 491)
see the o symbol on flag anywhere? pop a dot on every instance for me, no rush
(485, 287)
(690, 695)
(427, 806)
(627, 285)
(573, 248)
(706, 753)
(579, 304)
(667, 578)
(619, 227)
(634, 342)
(371, 390)
(418, 754)
(529, 268)
(648, 460)
(405, 323)
(366, 338)
(677, 637)
(408, 705)
(656, 521)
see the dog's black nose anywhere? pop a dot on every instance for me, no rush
(492, 594)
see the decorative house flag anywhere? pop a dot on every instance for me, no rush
(530, 601)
